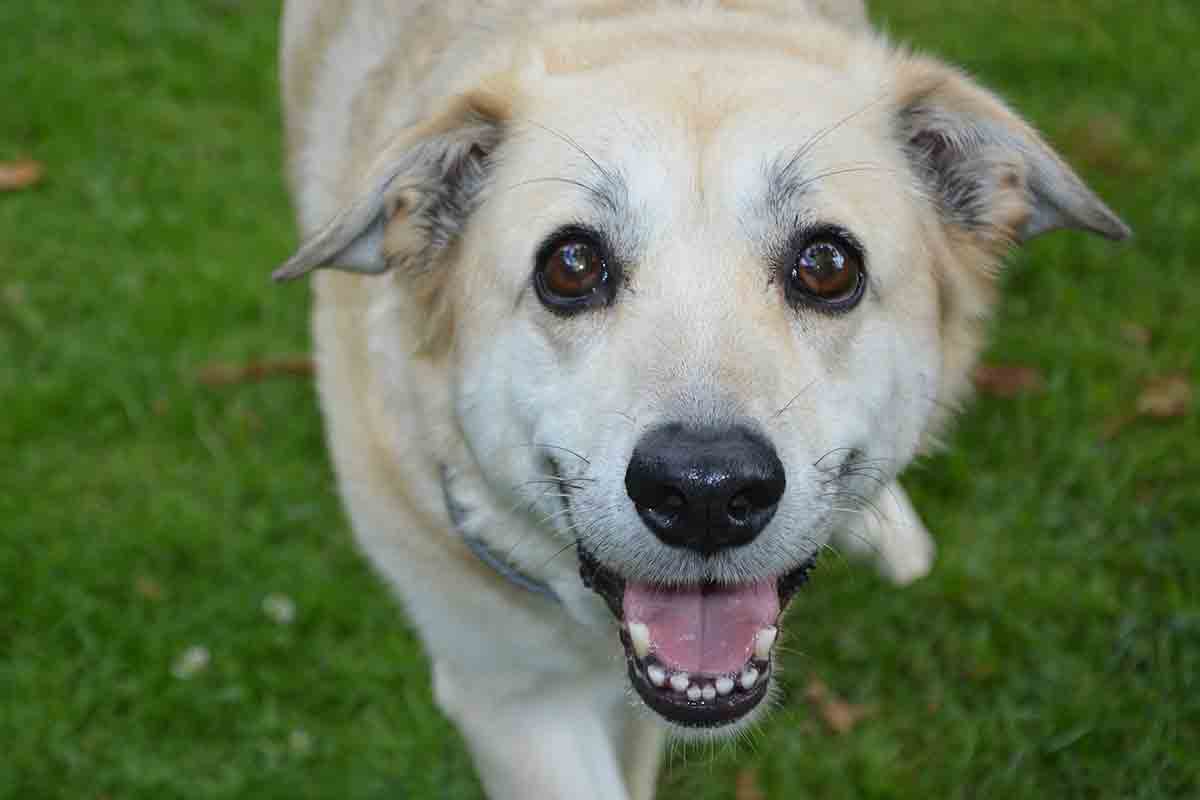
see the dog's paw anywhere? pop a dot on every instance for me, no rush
(893, 536)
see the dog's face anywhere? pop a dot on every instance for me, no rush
(716, 313)
(701, 308)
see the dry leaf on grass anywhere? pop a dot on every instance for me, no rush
(224, 374)
(148, 588)
(20, 174)
(1136, 334)
(1166, 397)
(747, 787)
(839, 715)
(1007, 380)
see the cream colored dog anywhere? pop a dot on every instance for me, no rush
(652, 300)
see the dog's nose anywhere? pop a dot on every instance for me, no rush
(705, 489)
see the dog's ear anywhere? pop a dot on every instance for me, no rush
(414, 199)
(988, 171)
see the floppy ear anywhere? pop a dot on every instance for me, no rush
(988, 171)
(415, 197)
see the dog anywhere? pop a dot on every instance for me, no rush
(628, 309)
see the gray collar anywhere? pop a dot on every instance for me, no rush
(458, 517)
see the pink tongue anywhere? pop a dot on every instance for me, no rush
(707, 630)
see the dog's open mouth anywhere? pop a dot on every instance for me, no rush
(700, 656)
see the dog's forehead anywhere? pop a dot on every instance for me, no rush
(716, 141)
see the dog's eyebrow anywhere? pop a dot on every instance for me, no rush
(609, 194)
(786, 182)
(786, 178)
(609, 190)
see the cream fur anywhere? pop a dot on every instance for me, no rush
(445, 360)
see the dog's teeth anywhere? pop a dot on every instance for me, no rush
(709, 693)
(763, 642)
(657, 675)
(693, 693)
(724, 686)
(749, 678)
(680, 681)
(639, 636)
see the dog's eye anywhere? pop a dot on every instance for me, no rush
(573, 272)
(826, 272)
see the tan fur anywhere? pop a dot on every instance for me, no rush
(434, 144)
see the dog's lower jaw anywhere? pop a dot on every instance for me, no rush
(695, 701)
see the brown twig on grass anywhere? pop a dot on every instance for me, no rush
(20, 174)
(227, 374)
(838, 715)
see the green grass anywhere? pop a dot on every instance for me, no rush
(1054, 653)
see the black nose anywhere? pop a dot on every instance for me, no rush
(705, 489)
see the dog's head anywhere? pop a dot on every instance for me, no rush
(700, 300)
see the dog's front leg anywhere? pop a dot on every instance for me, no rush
(556, 741)
(642, 741)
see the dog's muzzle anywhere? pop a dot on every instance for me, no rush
(700, 655)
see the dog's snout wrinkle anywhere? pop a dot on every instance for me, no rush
(705, 489)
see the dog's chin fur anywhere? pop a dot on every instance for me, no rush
(436, 148)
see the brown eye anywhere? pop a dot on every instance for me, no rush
(827, 272)
(572, 272)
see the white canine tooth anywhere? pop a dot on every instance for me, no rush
(639, 635)
(693, 693)
(709, 693)
(749, 678)
(724, 685)
(764, 640)
(657, 675)
(680, 681)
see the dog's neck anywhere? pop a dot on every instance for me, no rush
(458, 517)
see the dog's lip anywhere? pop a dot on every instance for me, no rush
(701, 704)
(686, 699)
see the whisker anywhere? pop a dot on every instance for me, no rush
(547, 446)
(623, 415)
(549, 518)
(592, 190)
(562, 449)
(562, 483)
(557, 553)
(820, 135)
(880, 482)
(576, 146)
(860, 501)
(791, 651)
(799, 394)
(817, 463)
(842, 171)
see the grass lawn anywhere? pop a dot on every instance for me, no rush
(1054, 653)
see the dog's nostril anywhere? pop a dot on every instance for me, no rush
(740, 507)
(673, 502)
